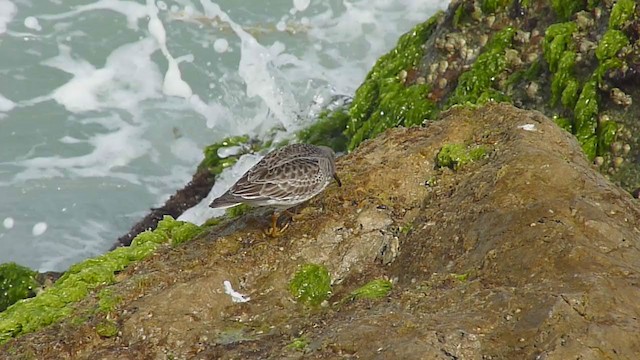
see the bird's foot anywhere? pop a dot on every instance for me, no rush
(274, 230)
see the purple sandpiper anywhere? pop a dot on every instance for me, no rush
(283, 178)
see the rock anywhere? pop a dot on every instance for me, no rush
(16, 282)
(525, 253)
(574, 61)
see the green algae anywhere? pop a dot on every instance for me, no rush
(455, 156)
(187, 231)
(461, 277)
(16, 282)
(531, 74)
(328, 130)
(407, 228)
(569, 95)
(107, 328)
(299, 344)
(581, 99)
(56, 303)
(397, 105)
(212, 222)
(612, 41)
(604, 66)
(108, 301)
(564, 123)
(375, 289)
(564, 85)
(596, 138)
(176, 231)
(599, 141)
(566, 8)
(621, 11)
(492, 6)
(586, 118)
(383, 100)
(557, 40)
(459, 16)
(476, 86)
(213, 162)
(311, 284)
(606, 134)
(236, 211)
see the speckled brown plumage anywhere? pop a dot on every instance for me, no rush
(284, 178)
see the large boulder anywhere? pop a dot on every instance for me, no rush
(500, 239)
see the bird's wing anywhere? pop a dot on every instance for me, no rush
(293, 178)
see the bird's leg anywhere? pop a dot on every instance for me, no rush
(273, 231)
(290, 214)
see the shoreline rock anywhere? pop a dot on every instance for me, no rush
(517, 254)
(474, 52)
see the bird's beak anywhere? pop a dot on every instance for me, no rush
(335, 176)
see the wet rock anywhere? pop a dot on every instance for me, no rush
(525, 253)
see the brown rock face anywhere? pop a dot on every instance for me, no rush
(527, 253)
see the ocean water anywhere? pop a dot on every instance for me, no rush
(105, 106)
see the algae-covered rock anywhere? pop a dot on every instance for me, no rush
(16, 282)
(389, 96)
(517, 256)
(107, 329)
(455, 156)
(311, 284)
(58, 301)
(575, 61)
(375, 289)
(328, 130)
(214, 162)
(497, 259)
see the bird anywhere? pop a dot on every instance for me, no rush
(285, 177)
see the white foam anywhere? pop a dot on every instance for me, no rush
(173, 84)
(6, 105)
(187, 150)
(132, 10)
(110, 151)
(87, 242)
(32, 23)
(162, 5)
(7, 11)
(261, 76)
(221, 45)
(8, 223)
(301, 5)
(202, 212)
(70, 140)
(225, 152)
(128, 78)
(39, 228)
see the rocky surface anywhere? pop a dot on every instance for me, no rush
(525, 253)
(575, 61)
(185, 198)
